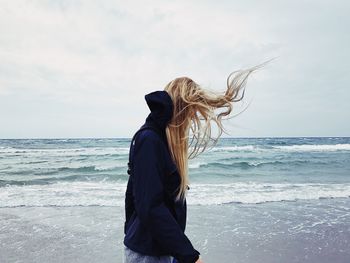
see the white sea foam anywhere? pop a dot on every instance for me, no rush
(106, 193)
(97, 151)
(287, 148)
(196, 164)
(235, 148)
(64, 194)
(106, 167)
(315, 147)
(254, 192)
(64, 152)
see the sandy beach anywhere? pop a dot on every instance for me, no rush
(301, 231)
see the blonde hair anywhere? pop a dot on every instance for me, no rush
(192, 104)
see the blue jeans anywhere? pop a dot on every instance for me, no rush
(131, 256)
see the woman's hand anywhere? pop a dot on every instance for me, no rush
(199, 260)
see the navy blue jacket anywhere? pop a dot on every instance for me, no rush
(154, 222)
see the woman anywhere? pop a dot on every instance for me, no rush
(155, 198)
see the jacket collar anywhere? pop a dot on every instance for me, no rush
(161, 106)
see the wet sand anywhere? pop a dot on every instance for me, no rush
(301, 231)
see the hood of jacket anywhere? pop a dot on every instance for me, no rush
(161, 106)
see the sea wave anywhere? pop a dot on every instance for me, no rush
(58, 169)
(227, 163)
(52, 178)
(106, 193)
(235, 148)
(286, 148)
(314, 147)
(8, 152)
(256, 193)
(86, 151)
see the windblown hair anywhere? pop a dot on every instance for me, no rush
(193, 104)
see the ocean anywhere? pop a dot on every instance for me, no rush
(250, 200)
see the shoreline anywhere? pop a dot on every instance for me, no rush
(293, 231)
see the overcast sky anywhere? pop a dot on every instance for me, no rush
(82, 68)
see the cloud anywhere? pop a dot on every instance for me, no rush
(82, 67)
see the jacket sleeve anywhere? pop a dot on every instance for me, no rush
(149, 204)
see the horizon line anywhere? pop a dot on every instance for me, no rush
(237, 137)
